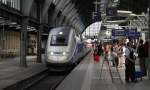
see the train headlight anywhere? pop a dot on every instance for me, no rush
(51, 53)
(64, 53)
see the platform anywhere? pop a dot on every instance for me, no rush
(86, 76)
(11, 72)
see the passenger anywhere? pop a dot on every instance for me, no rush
(135, 46)
(129, 63)
(96, 56)
(100, 51)
(124, 48)
(109, 53)
(103, 50)
(120, 55)
(115, 62)
(142, 57)
(146, 52)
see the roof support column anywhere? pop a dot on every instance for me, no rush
(23, 47)
(68, 9)
(65, 22)
(54, 17)
(39, 34)
(61, 19)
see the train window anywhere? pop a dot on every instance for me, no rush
(59, 40)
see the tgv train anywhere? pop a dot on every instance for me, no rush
(64, 49)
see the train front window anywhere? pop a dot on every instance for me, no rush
(59, 40)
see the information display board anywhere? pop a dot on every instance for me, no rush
(132, 33)
(118, 32)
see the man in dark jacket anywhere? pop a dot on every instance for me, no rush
(129, 63)
(141, 56)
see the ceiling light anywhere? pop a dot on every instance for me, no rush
(116, 0)
(13, 23)
(116, 21)
(18, 27)
(132, 14)
(28, 27)
(123, 11)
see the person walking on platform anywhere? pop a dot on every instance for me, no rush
(100, 51)
(108, 53)
(146, 52)
(120, 54)
(115, 61)
(142, 57)
(129, 63)
(96, 56)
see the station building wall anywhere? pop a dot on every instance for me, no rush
(9, 43)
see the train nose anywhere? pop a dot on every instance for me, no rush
(58, 56)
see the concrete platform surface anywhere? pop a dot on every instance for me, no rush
(11, 72)
(88, 76)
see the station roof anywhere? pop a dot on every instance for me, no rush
(86, 7)
(136, 6)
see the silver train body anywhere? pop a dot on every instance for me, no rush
(64, 49)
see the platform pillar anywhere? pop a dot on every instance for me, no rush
(23, 47)
(39, 42)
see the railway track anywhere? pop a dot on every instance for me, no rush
(48, 83)
(43, 81)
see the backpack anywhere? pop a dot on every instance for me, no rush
(131, 55)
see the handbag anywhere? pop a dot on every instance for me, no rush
(97, 58)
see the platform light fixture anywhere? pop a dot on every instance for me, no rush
(28, 27)
(31, 29)
(13, 23)
(18, 27)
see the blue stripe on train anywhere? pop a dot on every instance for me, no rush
(78, 50)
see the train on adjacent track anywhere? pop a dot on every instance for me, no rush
(64, 49)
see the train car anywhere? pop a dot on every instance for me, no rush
(64, 49)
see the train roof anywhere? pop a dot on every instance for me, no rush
(61, 30)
